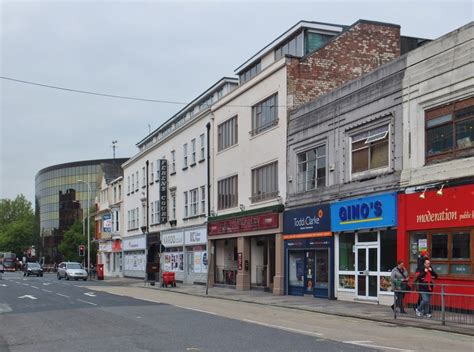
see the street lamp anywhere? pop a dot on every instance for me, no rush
(88, 223)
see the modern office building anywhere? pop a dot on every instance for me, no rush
(61, 197)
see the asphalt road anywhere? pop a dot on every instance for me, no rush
(45, 314)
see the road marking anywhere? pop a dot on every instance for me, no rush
(3, 285)
(60, 294)
(193, 309)
(4, 308)
(80, 300)
(46, 283)
(371, 345)
(35, 287)
(26, 284)
(148, 300)
(46, 290)
(310, 333)
(28, 296)
(90, 294)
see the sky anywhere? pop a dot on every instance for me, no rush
(156, 50)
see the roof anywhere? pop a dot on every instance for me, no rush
(119, 161)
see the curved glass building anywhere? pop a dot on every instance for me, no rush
(61, 199)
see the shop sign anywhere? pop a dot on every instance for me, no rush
(105, 246)
(363, 213)
(107, 223)
(163, 191)
(174, 239)
(117, 246)
(304, 220)
(133, 244)
(454, 208)
(244, 224)
(197, 236)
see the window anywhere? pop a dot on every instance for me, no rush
(185, 155)
(128, 184)
(346, 252)
(312, 169)
(173, 205)
(143, 177)
(370, 150)
(136, 187)
(144, 222)
(157, 170)
(155, 212)
(152, 206)
(227, 134)
(194, 201)
(227, 193)
(264, 182)
(313, 41)
(185, 204)
(133, 183)
(120, 192)
(203, 199)
(173, 161)
(292, 47)
(201, 138)
(115, 221)
(450, 131)
(250, 72)
(193, 151)
(115, 194)
(152, 170)
(264, 115)
(450, 250)
(388, 250)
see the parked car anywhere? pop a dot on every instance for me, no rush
(32, 269)
(71, 270)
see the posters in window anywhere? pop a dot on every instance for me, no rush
(173, 262)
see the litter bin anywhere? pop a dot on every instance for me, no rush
(168, 278)
(100, 271)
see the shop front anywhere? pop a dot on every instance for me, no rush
(309, 251)
(185, 254)
(134, 257)
(440, 221)
(110, 255)
(248, 252)
(365, 247)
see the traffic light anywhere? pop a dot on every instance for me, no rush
(82, 250)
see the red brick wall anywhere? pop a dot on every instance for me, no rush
(361, 49)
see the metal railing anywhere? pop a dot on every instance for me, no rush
(443, 304)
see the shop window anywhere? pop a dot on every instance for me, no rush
(367, 237)
(346, 252)
(370, 149)
(450, 250)
(296, 268)
(347, 281)
(450, 131)
(388, 250)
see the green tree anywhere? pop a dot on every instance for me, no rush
(17, 225)
(73, 238)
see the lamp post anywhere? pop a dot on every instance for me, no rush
(88, 224)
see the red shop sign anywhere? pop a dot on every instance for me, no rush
(243, 224)
(454, 208)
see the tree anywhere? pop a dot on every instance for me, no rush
(17, 225)
(73, 238)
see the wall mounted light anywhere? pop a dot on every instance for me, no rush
(440, 191)
(422, 195)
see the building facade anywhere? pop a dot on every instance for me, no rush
(436, 202)
(109, 222)
(250, 161)
(60, 199)
(166, 193)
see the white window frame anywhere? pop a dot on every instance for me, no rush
(203, 199)
(259, 178)
(298, 163)
(222, 185)
(194, 195)
(133, 182)
(152, 170)
(203, 150)
(128, 184)
(137, 179)
(259, 111)
(228, 133)
(173, 205)
(143, 176)
(193, 151)
(185, 195)
(185, 155)
(173, 161)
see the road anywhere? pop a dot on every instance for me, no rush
(44, 314)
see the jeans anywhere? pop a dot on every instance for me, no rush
(425, 307)
(399, 300)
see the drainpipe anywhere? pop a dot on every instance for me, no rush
(208, 127)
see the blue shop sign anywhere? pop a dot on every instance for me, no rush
(365, 213)
(306, 220)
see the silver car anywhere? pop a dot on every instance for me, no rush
(71, 270)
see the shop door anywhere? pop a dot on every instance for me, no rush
(366, 260)
(309, 272)
(321, 283)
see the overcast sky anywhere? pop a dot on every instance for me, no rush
(156, 50)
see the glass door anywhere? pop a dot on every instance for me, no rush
(321, 283)
(309, 272)
(366, 261)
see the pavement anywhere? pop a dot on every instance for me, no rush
(358, 310)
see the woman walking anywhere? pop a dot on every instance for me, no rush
(400, 284)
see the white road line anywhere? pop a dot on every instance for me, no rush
(35, 287)
(3, 285)
(371, 345)
(46, 290)
(90, 294)
(193, 309)
(310, 333)
(80, 300)
(60, 294)
(26, 284)
(144, 299)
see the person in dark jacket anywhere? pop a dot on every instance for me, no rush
(399, 278)
(425, 281)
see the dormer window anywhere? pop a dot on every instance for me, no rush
(250, 72)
